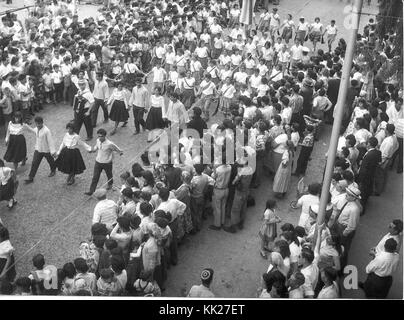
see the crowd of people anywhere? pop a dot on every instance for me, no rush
(267, 84)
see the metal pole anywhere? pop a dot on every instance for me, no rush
(339, 110)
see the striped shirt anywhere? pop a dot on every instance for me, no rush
(105, 211)
(399, 131)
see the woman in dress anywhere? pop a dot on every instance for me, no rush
(316, 31)
(7, 267)
(120, 106)
(15, 141)
(188, 90)
(283, 173)
(7, 185)
(288, 26)
(154, 122)
(268, 231)
(69, 159)
(183, 194)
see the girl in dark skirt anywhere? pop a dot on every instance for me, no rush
(7, 185)
(69, 159)
(120, 106)
(154, 122)
(16, 145)
(7, 267)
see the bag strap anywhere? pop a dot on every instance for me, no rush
(342, 209)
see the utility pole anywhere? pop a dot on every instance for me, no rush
(339, 111)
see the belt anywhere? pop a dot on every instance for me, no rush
(220, 188)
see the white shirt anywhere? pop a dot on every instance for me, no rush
(210, 86)
(296, 52)
(380, 246)
(331, 30)
(388, 147)
(44, 141)
(305, 202)
(330, 292)
(310, 273)
(159, 74)
(384, 264)
(105, 211)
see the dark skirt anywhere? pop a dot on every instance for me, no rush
(70, 161)
(11, 273)
(7, 191)
(188, 98)
(16, 149)
(119, 112)
(377, 287)
(154, 119)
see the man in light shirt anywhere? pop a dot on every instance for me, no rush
(310, 271)
(296, 53)
(103, 161)
(139, 100)
(105, 211)
(207, 89)
(380, 270)
(395, 228)
(101, 95)
(388, 147)
(44, 148)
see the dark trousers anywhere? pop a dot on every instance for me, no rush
(98, 167)
(94, 112)
(399, 154)
(303, 160)
(138, 113)
(197, 206)
(58, 91)
(36, 161)
(174, 242)
(366, 188)
(377, 287)
(79, 120)
(346, 241)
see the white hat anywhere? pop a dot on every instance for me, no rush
(353, 191)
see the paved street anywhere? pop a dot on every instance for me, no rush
(53, 218)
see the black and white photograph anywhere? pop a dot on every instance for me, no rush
(211, 149)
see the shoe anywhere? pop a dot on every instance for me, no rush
(11, 204)
(135, 133)
(263, 254)
(212, 227)
(105, 121)
(89, 138)
(24, 161)
(27, 181)
(109, 187)
(231, 229)
(88, 193)
(124, 124)
(52, 174)
(70, 181)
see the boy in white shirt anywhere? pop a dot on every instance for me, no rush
(57, 77)
(159, 75)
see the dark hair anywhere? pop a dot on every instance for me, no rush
(137, 170)
(164, 193)
(70, 125)
(102, 132)
(124, 223)
(287, 227)
(4, 235)
(135, 221)
(117, 264)
(398, 225)
(307, 254)
(330, 273)
(351, 139)
(390, 245)
(38, 261)
(69, 270)
(110, 244)
(373, 142)
(38, 120)
(80, 265)
(314, 188)
(283, 248)
(199, 168)
(24, 283)
(149, 178)
(348, 175)
(127, 192)
(270, 204)
(146, 208)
